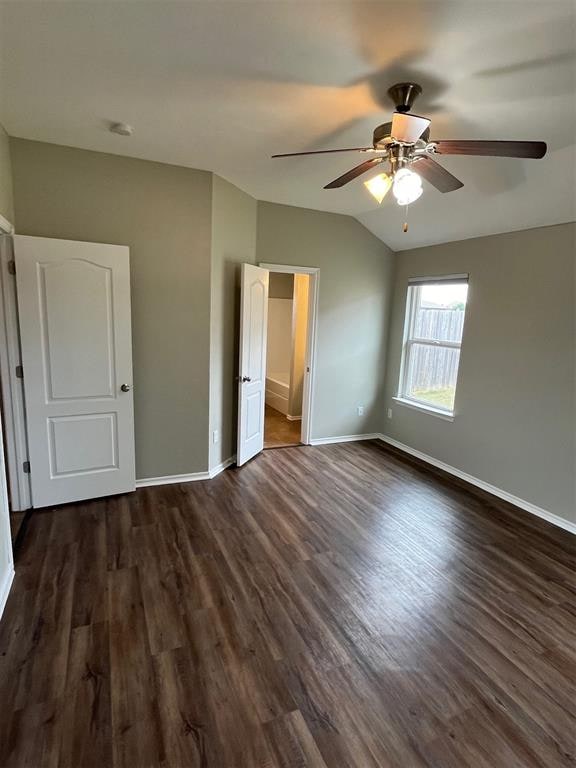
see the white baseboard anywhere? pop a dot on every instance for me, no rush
(276, 401)
(5, 588)
(293, 418)
(516, 500)
(344, 439)
(221, 467)
(145, 482)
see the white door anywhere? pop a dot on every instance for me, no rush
(74, 308)
(252, 368)
(6, 558)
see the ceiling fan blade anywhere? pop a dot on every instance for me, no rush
(438, 176)
(408, 128)
(354, 172)
(531, 149)
(326, 151)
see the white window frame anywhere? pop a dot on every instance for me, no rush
(409, 339)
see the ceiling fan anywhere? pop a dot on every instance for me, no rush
(405, 144)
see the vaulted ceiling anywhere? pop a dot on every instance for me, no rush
(223, 85)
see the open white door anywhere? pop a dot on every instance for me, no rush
(252, 367)
(6, 557)
(74, 307)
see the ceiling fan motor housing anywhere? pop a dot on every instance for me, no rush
(381, 132)
(403, 96)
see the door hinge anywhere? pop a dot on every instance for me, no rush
(19, 372)
(26, 467)
(12, 267)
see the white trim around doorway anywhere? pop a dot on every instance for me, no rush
(311, 343)
(6, 227)
(10, 381)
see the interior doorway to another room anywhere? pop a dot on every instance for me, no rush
(286, 355)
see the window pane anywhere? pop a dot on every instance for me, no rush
(440, 312)
(432, 373)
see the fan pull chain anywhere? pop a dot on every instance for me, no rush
(405, 225)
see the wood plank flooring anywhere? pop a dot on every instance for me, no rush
(327, 607)
(16, 520)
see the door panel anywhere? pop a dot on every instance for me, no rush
(83, 443)
(83, 291)
(74, 306)
(252, 368)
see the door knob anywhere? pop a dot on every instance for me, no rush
(125, 387)
(246, 378)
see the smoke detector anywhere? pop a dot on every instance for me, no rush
(122, 129)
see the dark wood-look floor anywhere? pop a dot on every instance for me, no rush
(16, 520)
(329, 607)
(280, 432)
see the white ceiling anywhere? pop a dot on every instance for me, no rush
(222, 86)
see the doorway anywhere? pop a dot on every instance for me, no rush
(288, 299)
(285, 383)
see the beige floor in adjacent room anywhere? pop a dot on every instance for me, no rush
(279, 431)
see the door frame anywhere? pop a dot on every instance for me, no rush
(311, 341)
(14, 413)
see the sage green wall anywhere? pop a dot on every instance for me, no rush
(354, 305)
(233, 242)
(515, 419)
(163, 213)
(6, 195)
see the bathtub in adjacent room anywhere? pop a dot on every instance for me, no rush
(278, 391)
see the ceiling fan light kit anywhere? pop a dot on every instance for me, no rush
(405, 144)
(407, 186)
(378, 186)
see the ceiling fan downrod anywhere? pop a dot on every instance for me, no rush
(404, 95)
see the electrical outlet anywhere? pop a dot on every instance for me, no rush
(215, 436)
(389, 413)
(360, 410)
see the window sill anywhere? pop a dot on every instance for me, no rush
(446, 415)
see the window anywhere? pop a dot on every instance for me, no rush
(432, 338)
